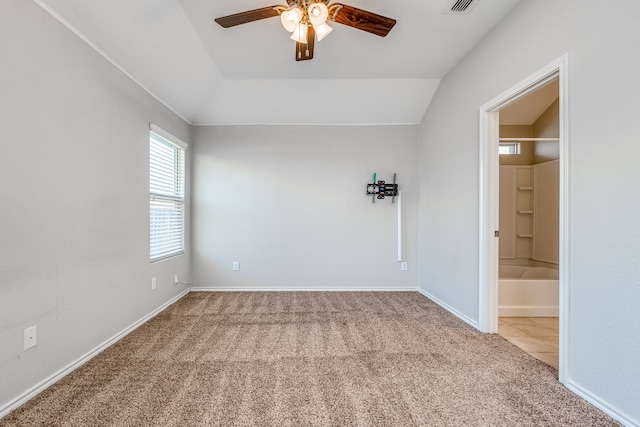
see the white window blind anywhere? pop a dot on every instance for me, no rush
(166, 195)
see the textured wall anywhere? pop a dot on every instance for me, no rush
(74, 217)
(288, 203)
(604, 234)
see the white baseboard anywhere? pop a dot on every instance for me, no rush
(48, 382)
(450, 309)
(605, 407)
(301, 289)
(528, 311)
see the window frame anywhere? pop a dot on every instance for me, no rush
(514, 145)
(167, 194)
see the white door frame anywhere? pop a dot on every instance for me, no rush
(489, 199)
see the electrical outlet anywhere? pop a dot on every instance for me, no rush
(175, 279)
(153, 283)
(236, 265)
(404, 266)
(30, 339)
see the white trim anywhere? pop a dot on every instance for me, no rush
(565, 219)
(399, 202)
(77, 32)
(488, 303)
(48, 382)
(602, 405)
(450, 309)
(168, 136)
(528, 311)
(300, 289)
(489, 220)
(308, 124)
(527, 139)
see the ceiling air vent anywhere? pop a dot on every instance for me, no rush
(461, 7)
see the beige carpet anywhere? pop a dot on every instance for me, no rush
(309, 359)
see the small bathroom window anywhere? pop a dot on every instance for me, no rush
(509, 148)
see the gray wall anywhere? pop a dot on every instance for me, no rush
(288, 203)
(602, 40)
(74, 216)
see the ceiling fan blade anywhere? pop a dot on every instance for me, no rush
(304, 52)
(361, 19)
(248, 16)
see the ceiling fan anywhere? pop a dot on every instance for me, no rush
(306, 20)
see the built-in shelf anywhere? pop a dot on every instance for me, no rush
(527, 139)
(525, 188)
(525, 212)
(525, 235)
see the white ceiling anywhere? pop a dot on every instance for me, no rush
(248, 74)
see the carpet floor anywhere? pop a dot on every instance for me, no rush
(309, 359)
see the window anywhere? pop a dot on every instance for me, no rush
(509, 148)
(166, 194)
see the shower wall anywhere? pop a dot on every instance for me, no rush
(516, 211)
(546, 224)
(529, 192)
(529, 211)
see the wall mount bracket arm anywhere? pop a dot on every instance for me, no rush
(380, 189)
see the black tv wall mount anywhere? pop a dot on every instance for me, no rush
(380, 189)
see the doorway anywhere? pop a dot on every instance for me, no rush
(528, 266)
(489, 199)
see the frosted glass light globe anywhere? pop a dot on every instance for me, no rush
(300, 33)
(290, 18)
(318, 13)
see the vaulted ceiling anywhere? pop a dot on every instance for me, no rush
(248, 74)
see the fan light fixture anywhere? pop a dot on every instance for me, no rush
(306, 20)
(296, 21)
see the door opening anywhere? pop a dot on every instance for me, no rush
(489, 200)
(528, 266)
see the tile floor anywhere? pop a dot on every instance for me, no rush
(537, 336)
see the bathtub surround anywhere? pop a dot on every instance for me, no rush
(528, 290)
(530, 212)
(310, 358)
(517, 212)
(546, 198)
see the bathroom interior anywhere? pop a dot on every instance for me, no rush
(528, 288)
